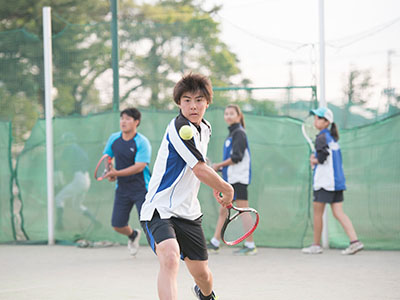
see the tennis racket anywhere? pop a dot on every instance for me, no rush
(309, 131)
(239, 224)
(103, 166)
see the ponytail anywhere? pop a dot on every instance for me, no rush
(239, 112)
(334, 132)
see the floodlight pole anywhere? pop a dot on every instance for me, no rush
(322, 103)
(48, 86)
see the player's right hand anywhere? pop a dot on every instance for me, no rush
(223, 199)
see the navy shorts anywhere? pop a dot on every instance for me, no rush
(240, 190)
(188, 233)
(325, 196)
(123, 203)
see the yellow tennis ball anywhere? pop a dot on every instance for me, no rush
(186, 132)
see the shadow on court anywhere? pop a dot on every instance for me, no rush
(67, 272)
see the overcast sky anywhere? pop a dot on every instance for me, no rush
(268, 34)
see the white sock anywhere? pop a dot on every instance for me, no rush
(215, 242)
(250, 244)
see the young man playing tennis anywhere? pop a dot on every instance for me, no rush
(171, 215)
(132, 152)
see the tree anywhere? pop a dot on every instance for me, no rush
(162, 41)
(158, 42)
(21, 58)
(357, 90)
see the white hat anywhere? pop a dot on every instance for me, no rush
(323, 112)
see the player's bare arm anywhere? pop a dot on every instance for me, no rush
(222, 164)
(209, 177)
(134, 169)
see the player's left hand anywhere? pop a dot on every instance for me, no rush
(112, 174)
(313, 161)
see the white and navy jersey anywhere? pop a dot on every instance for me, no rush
(237, 148)
(126, 154)
(328, 173)
(173, 187)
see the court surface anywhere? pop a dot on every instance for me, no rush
(67, 272)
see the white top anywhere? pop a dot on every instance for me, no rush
(173, 187)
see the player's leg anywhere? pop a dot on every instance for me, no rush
(243, 204)
(241, 195)
(319, 208)
(168, 257)
(214, 243)
(119, 221)
(249, 247)
(161, 237)
(339, 214)
(223, 212)
(202, 276)
(193, 248)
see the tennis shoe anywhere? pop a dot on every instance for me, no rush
(313, 249)
(353, 248)
(200, 296)
(212, 248)
(246, 251)
(133, 245)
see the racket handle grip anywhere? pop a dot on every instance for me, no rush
(221, 195)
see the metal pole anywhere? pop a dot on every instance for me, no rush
(322, 103)
(48, 84)
(114, 54)
(321, 54)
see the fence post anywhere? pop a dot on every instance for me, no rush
(114, 54)
(48, 84)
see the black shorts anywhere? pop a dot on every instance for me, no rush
(188, 233)
(324, 196)
(240, 190)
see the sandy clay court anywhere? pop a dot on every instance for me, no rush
(67, 272)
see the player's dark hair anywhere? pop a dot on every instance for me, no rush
(334, 132)
(132, 112)
(239, 112)
(192, 83)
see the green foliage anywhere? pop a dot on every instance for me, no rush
(358, 86)
(22, 112)
(21, 58)
(357, 90)
(158, 43)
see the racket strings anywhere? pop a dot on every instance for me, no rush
(240, 226)
(310, 129)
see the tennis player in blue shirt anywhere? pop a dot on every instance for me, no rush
(132, 153)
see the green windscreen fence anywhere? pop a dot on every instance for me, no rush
(371, 156)
(83, 85)
(7, 232)
(280, 188)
